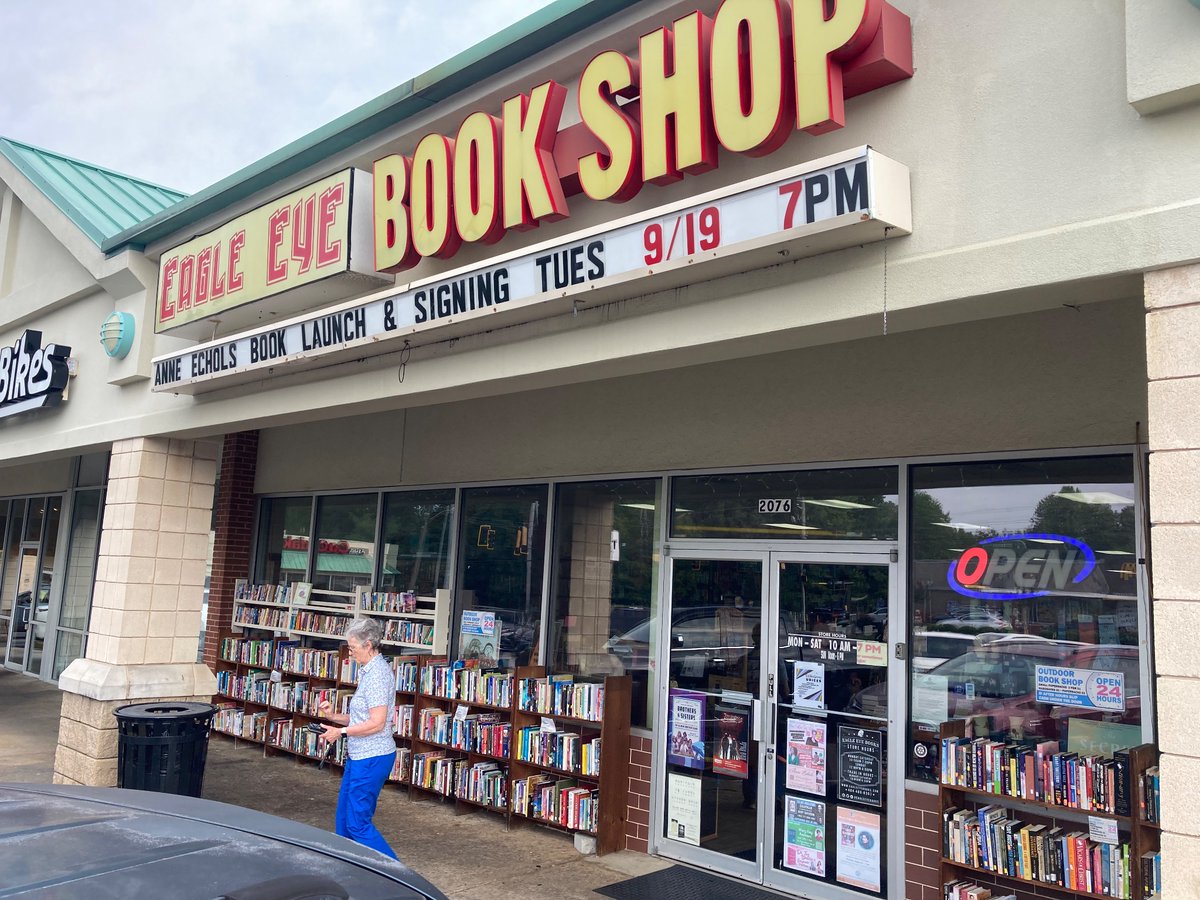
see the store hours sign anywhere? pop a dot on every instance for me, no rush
(32, 376)
(843, 200)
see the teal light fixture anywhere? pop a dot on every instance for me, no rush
(116, 334)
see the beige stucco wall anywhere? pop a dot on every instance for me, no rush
(1163, 37)
(1061, 378)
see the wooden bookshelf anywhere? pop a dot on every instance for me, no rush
(1140, 835)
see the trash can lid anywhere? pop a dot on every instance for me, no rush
(165, 709)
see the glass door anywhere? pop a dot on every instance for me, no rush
(829, 677)
(710, 712)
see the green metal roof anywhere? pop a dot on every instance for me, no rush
(520, 41)
(100, 202)
(331, 563)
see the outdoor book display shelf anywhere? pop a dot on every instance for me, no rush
(514, 742)
(1025, 816)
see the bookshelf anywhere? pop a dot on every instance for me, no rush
(412, 622)
(558, 777)
(1021, 817)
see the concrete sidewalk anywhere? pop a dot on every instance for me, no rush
(471, 857)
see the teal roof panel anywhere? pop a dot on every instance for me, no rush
(100, 202)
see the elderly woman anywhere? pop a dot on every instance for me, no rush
(370, 747)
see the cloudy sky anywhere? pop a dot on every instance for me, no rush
(186, 92)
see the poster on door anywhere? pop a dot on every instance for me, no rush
(685, 745)
(731, 755)
(860, 765)
(804, 836)
(683, 808)
(858, 849)
(806, 756)
(808, 685)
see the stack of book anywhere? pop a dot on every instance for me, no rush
(969, 890)
(435, 726)
(403, 602)
(1040, 772)
(481, 733)
(484, 782)
(331, 625)
(261, 593)
(402, 766)
(436, 771)
(406, 674)
(400, 631)
(438, 681)
(291, 657)
(247, 652)
(261, 617)
(561, 695)
(1148, 796)
(989, 838)
(404, 720)
(562, 750)
(477, 686)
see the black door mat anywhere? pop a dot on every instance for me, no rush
(684, 883)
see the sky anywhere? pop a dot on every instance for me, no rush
(186, 92)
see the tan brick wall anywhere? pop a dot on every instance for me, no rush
(1173, 369)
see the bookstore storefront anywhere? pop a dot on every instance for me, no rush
(830, 445)
(796, 639)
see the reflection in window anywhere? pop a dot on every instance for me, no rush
(841, 504)
(283, 540)
(604, 581)
(1015, 565)
(81, 560)
(345, 557)
(502, 555)
(416, 541)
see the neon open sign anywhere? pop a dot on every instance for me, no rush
(986, 571)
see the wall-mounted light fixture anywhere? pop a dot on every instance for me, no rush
(116, 334)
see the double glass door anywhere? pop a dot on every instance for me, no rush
(775, 720)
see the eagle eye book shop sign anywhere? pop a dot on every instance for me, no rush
(845, 199)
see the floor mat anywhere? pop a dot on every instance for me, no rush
(683, 883)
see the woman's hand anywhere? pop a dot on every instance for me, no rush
(325, 708)
(332, 732)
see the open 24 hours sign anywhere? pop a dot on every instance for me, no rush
(846, 199)
(1083, 688)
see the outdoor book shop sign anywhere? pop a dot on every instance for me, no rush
(842, 200)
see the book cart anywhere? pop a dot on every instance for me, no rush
(1020, 819)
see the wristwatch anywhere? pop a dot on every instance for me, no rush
(344, 730)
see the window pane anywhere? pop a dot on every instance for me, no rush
(5, 595)
(345, 544)
(503, 551)
(283, 540)
(416, 541)
(12, 558)
(841, 504)
(93, 470)
(605, 546)
(1018, 565)
(68, 649)
(81, 561)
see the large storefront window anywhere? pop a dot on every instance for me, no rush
(841, 504)
(503, 547)
(1024, 604)
(605, 575)
(284, 525)
(345, 552)
(416, 541)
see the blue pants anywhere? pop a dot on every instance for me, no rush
(361, 784)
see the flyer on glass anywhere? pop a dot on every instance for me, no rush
(858, 848)
(806, 763)
(808, 688)
(731, 755)
(686, 741)
(683, 808)
(804, 836)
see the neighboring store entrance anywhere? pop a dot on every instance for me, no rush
(774, 718)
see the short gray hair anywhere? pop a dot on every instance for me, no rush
(365, 631)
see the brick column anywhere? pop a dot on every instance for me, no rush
(145, 624)
(234, 535)
(1173, 369)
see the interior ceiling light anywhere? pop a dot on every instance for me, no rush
(840, 504)
(1101, 498)
(962, 526)
(791, 526)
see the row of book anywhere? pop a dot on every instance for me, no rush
(1041, 772)
(403, 765)
(436, 771)
(561, 695)
(404, 720)
(401, 631)
(331, 625)
(968, 890)
(989, 838)
(247, 652)
(562, 750)
(291, 657)
(388, 602)
(557, 801)
(484, 782)
(483, 733)
(261, 617)
(262, 593)
(238, 723)
(457, 681)
(253, 686)
(1149, 798)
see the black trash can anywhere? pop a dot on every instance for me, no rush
(162, 746)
